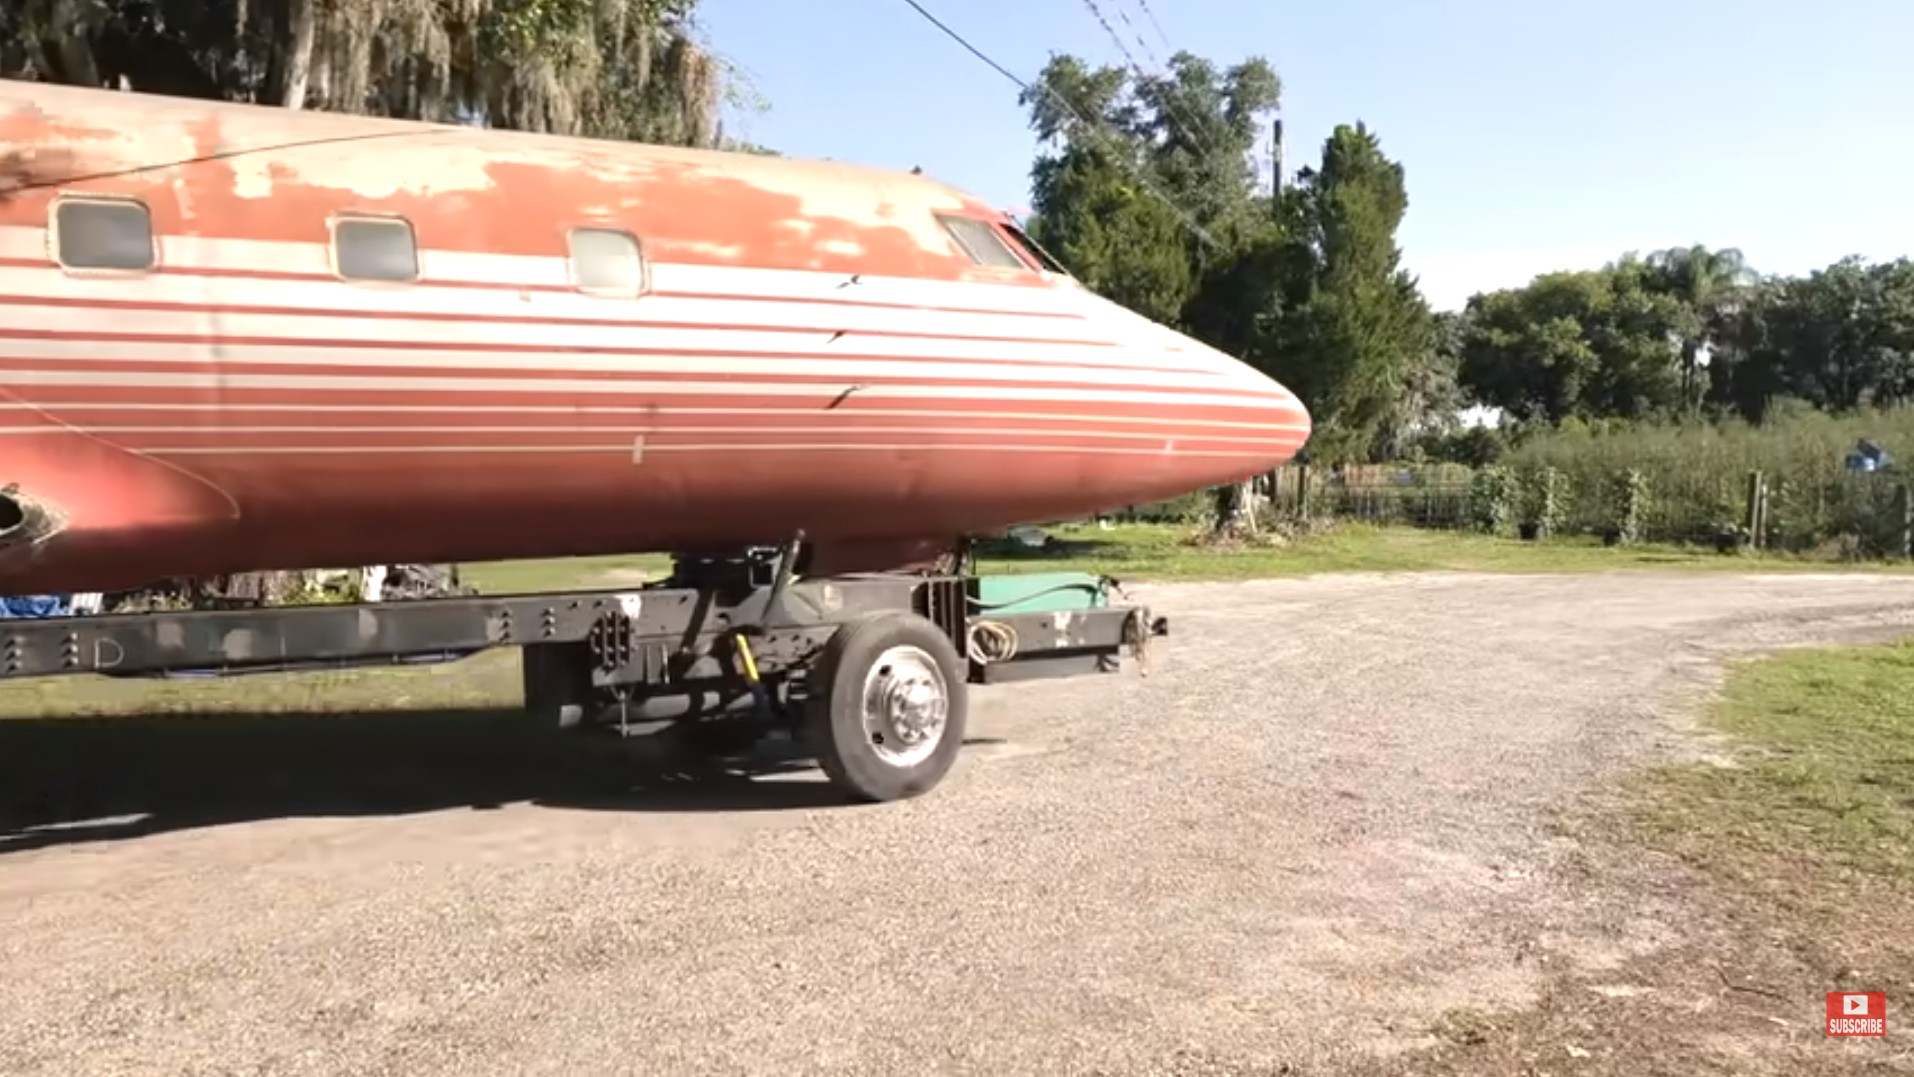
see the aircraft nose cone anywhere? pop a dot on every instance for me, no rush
(1266, 423)
(1288, 415)
(1187, 416)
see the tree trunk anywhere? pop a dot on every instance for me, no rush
(1236, 507)
(68, 54)
(291, 76)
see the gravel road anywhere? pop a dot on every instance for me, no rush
(1323, 819)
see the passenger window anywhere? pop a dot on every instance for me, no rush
(607, 262)
(114, 234)
(375, 249)
(981, 242)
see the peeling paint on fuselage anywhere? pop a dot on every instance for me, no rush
(221, 160)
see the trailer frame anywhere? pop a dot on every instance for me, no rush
(868, 673)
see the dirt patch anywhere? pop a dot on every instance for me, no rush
(1325, 836)
(1734, 990)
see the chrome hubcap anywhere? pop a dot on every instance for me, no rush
(906, 706)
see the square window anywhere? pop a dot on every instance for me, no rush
(375, 249)
(103, 234)
(607, 262)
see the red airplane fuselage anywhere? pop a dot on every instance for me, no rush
(237, 338)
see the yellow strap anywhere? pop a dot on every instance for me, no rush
(750, 661)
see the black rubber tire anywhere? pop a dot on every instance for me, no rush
(834, 706)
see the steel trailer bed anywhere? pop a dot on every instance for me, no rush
(868, 673)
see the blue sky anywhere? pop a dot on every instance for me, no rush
(1538, 134)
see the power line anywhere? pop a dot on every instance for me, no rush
(1144, 5)
(968, 47)
(1124, 17)
(1089, 125)
(1177, 117)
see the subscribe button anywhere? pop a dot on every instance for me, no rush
(1857, 1013)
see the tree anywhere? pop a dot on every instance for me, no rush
(1116, 237)
(1714, 285)
(1527, 352)
(1839, 338)
(627, 69)
(1146, 187)
(1626, 341)
(1429, 401)
(1143, 181)
(1594, 343)
(1364, 326)
(1199, 126)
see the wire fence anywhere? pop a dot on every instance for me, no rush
(1826, 510)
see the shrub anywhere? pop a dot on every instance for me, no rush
(1492, 500)
(1697, 474)
(1544, 500)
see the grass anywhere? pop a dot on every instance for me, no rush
(1136, 552)
(1814, 814)
(518, 577)
(1145, 552)
(1801, 841)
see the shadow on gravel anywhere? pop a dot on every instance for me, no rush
(67, 781)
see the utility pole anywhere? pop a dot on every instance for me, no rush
(1276, 157)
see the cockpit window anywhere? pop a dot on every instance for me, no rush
(984, 244)
(1037, 254)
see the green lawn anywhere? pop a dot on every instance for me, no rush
(565, 573)
(1167, 552)
(1792, 876)
(1813, 813)
(1160, 552)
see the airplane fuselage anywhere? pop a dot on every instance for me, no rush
(237, 338)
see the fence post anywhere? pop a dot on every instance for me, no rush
(1904, 520)
(1756, 521)
(1302, 492)
(1767, 516)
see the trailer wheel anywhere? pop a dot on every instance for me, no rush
(886, 706)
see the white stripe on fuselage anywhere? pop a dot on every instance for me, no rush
(69, 375)
(851, 369)
(100, 334)
(444, 311)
